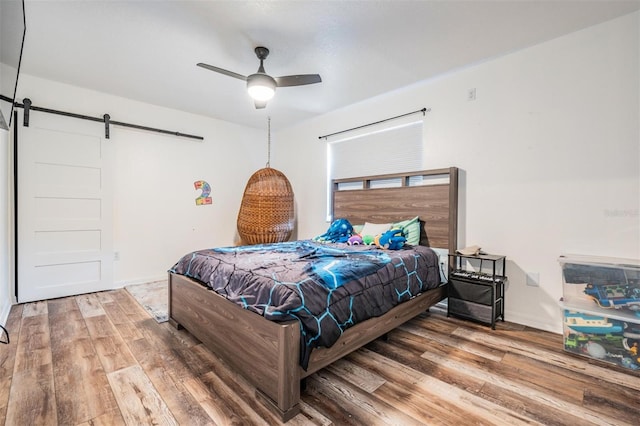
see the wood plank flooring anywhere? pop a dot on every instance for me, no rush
(100, 359)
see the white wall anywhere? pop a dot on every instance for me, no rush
(156, 218)
(6, 283)
(549, 152)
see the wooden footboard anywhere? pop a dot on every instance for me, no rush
(267, 353)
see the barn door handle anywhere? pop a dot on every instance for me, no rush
(27, 106)
(106, 117)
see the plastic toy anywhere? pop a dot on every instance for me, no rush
(628, 363)
(591, 324)
(595, 350)
(615, 296)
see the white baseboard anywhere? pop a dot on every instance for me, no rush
(518, 318)
(513, 317)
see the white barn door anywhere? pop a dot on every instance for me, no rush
(65, 208)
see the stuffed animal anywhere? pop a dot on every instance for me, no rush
(355, 240)
(339, 232)
(393, 239)
(368, 240)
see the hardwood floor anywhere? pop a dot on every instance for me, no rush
(100, 359)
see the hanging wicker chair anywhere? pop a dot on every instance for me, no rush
(266, 213)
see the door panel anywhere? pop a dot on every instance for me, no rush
(65, 208)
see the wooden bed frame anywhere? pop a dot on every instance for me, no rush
(267, 353)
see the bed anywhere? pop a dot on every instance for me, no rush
(268, 353)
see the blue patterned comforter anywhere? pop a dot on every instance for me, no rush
(326, 287)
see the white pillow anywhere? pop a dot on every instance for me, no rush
(374, 229)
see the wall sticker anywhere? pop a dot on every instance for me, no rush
(204, 198)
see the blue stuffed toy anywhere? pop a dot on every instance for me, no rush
(393, 239)
(339, 232)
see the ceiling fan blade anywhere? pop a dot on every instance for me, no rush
(297, 80)
(260, 104)
(223, 71)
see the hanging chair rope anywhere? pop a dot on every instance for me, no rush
(268, 141)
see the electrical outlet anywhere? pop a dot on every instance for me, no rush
(471, 94)
(116, 255)
(533, 279)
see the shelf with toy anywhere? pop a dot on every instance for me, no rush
(601, 308)
(605, 284)
(612, 337)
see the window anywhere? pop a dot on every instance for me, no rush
(390, 147)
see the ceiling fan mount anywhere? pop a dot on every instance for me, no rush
(261, 52)
(262, 86)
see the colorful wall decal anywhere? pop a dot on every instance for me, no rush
(204, 198)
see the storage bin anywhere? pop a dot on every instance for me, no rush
(602, 284)
(611, 338)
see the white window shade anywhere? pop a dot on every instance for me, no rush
(392, 150)
(395, 148)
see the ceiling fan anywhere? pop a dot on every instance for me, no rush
(261, 86)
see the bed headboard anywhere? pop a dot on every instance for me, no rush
(431, 195)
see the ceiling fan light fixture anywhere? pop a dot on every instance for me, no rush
(261, 87)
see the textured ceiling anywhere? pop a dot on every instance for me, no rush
(148, 50)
